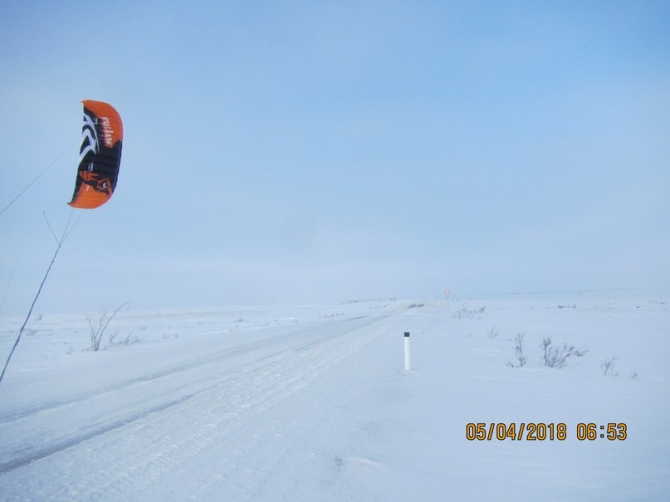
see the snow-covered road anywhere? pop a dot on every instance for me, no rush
(215, 412)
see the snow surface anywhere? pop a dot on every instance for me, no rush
(311, 402)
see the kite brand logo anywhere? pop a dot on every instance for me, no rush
(107, 132)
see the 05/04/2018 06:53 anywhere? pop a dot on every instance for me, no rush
(544, 431)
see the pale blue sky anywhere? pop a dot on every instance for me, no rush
(298, 151)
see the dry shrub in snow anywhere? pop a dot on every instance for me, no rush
(518, 352)
(130, 339)
(608, 367)
(98, 324)
(557, 356)
(466, 313)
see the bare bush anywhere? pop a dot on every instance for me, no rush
(98, 323)
(466, 313)
(130, 339)
(494, 333)
(557, 356)
(518, 352)
(608, 367)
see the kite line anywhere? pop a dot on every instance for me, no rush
(66, 233)
(36, 178)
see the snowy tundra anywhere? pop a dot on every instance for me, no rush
(312, 402)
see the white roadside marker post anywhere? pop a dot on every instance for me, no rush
(407, 365)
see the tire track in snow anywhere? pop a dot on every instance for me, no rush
(277, 342)
(212, 358)
(243, 437)
(272, 483)
(259, 374)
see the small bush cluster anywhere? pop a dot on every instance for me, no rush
(466, 313)
(130, 339)
(98, 323)
(553, 356)
(608, 368)
(557, 356)
(518, 352)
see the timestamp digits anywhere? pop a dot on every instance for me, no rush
(539, 431)
(591, 432)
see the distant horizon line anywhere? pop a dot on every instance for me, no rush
(453, 296)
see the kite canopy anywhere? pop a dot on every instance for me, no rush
(99, 156)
